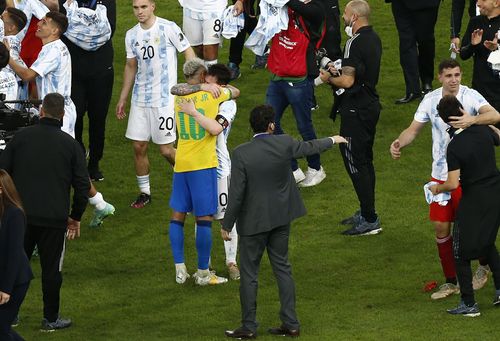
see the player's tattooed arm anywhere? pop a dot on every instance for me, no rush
(183, 89)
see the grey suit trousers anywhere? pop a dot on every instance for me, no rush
(251, 251)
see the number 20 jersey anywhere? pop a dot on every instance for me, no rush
(196, 147)
(156, 52)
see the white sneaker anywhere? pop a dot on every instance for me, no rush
(480, 277)
(313, 177)
(445, 290)
(299, 175)
(208, 279)
(181, 274)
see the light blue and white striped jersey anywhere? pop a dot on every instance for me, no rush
(31, 8)
(427, 112)
(8, 86)
(87, 28)
(2, 30)
(15, 50)
(53, 67)
(156, 52)
(228, 110)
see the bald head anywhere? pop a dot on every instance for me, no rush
(360, 8)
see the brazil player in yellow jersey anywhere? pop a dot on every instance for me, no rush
(194, 187)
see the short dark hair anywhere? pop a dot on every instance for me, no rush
(18, 17)
(53, 105)
(260, 118)
(4, 56)
(220, 71)
(59, 19)
(448, 106)
(448, 64)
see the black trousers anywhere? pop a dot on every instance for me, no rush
(237, 43)
(51, 243)
(251, 251)
(92, 94)
(9, 311)
(359, 127)
(464, 274)
(417, 44)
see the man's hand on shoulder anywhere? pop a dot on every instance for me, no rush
(214, 89)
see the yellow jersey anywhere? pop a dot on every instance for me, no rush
(196, 147)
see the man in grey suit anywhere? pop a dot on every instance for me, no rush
(264, 199)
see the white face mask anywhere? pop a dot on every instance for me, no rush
(348, 29)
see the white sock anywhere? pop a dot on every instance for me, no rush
(98, 201)
(143, 183)
(231, 246)
(180, 266)
(204, 273)
(210, 62)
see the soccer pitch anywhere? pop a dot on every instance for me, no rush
(119, 279)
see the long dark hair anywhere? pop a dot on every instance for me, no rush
(9, 195)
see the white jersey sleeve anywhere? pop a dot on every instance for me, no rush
(128, 43)
(47, 62)
(177, 38)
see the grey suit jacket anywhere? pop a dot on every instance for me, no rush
(262, 192)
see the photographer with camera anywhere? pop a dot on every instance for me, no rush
(43, 159)
(359, 109)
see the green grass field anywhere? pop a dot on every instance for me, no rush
(119, 279)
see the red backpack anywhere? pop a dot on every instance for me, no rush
(289, 47)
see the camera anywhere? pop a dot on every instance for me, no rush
(11, 120)
(324, 62)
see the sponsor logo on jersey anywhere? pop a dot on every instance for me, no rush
(136, 44)
(216, 35)
(181, 37)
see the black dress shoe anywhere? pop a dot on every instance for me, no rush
(408, 98)
(284, 331)
(240, 333)
(426, 88)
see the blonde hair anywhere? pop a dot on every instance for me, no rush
(192, 67)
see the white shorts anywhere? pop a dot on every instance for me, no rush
(156, 124)
(222, 193)
(202, 28)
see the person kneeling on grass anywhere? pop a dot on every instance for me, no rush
(471, 162)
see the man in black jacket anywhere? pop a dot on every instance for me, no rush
(415, 21)
(293, 77)
(359, 109)
(92, 86)
(478, 42)
(45, 163)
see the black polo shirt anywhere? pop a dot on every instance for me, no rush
(472, 151)
(484, 79)
(363, 52)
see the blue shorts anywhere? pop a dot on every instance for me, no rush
(195, 192)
